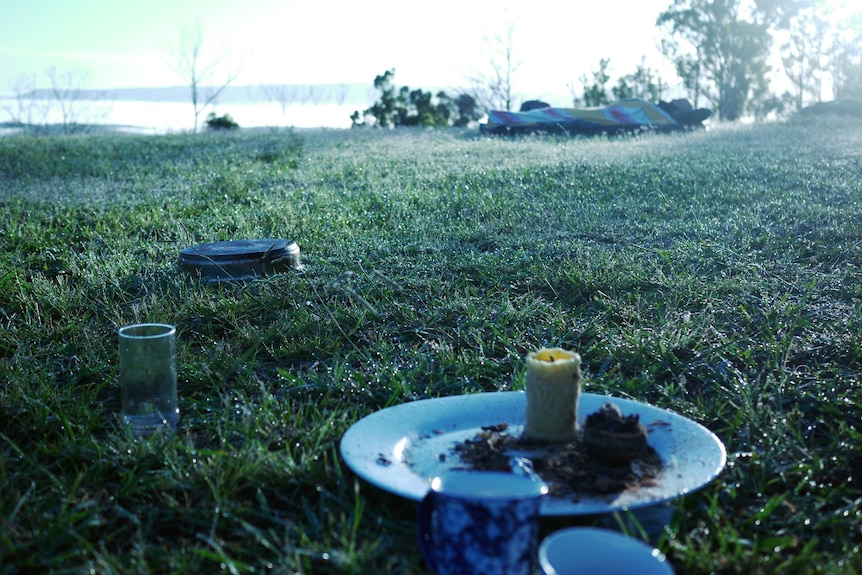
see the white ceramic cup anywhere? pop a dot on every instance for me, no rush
(594, 551)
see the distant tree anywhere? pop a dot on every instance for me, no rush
(66, 105)
(383, 110)
(688, 67)
(198, 70)
(406, 107)
(493, 87)
(847, 70)
(721, 48)
(281, 94)
(845, 59)
(24, 108)
(763, 103)
(419, 109)
(595, 93)
(804, 54)
(78, 107)
(463, 110)
(642, 83)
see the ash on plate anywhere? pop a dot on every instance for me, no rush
(567, 468)
(609, 417)
(614, 438)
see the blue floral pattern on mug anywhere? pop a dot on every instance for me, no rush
(486, 524)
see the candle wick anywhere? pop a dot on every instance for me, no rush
(552, 357)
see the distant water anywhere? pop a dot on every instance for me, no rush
(175, 116)
(169, 117)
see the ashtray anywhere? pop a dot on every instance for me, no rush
(239, 260)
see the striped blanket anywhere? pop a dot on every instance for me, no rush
(625, 115)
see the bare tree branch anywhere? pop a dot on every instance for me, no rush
(493, 88)
(199, 70)
(66, 99)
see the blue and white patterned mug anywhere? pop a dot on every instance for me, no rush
(481, 522)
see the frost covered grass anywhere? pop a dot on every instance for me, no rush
(716, 274)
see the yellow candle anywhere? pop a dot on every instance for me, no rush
(553, 385)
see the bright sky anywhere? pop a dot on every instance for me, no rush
(129, 43)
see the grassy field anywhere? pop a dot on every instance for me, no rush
(716, 274)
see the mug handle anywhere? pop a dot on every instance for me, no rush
(425, 531)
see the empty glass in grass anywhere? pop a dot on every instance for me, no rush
(148, 378)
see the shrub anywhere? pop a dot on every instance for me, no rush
(221, 122)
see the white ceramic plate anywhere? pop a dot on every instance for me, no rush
(402, 448)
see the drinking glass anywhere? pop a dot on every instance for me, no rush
(148, 378)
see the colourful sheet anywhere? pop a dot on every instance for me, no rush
(625, 115)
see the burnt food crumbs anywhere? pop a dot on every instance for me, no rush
(569, 469)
